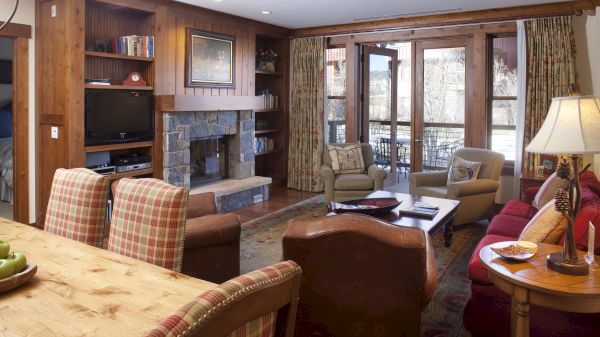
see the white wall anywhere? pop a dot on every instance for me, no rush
(26, 15)
(587, 28)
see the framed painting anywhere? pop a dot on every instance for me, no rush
(209, 59)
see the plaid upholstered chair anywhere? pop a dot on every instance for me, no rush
(260, 303)
(148, 221)
(77, 205)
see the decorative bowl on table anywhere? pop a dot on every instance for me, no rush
(515, 250)
(18, 279)
(365, 206)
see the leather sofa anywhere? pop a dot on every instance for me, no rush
(488, 311)
(361, 276)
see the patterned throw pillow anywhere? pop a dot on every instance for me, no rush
(346, 159)
(547, 191)
(461, 170)
(546, 226)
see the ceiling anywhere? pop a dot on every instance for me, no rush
(310, 13)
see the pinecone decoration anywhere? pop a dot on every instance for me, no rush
(561, 203)
(563, 170)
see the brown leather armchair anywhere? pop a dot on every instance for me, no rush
(360, 276)
(211, 250)
(212, 241)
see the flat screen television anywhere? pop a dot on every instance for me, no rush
(118, 116)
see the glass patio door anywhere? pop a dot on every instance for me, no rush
(378, 120)
(440, 101)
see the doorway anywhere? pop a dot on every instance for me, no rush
(6, 128)
(442, 67)
(15, 171)
(379, 110)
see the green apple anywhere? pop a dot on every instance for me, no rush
(4, 249)
(18, 260)
(7, 268)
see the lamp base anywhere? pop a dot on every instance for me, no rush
(557, 263)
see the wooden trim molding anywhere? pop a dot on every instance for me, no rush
(480, 16)
(172, 103)
(15, 30)
(21, 129)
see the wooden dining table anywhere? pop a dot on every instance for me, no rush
(80, 290)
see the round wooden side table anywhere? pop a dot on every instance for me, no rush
(531, 282)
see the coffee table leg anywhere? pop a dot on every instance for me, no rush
(448, 234)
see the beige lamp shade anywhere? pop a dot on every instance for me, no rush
(571, 127)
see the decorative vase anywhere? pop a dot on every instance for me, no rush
(266, 66)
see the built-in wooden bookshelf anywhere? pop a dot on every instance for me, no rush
(106, 22)
(271, 122)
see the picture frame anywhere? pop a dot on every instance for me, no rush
(549, 163)
(210, 59)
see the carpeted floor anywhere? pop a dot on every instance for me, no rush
(261, 246)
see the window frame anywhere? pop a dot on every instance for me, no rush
(332, 97)
(509, 165)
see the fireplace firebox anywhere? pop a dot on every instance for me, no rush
(208, 160)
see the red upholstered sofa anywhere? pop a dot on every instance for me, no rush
(488, 311)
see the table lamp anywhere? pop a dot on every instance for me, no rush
(572, 127)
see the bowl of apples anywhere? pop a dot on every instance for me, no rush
(14, 269)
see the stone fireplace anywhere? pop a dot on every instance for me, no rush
(208, 160)
(235, 129)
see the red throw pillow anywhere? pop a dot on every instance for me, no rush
(590, 212)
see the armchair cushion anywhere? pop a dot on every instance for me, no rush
(432, 191)
(472, 187)
(461, 170)
(353, 181)
(346, 159)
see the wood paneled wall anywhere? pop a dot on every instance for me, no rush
(172, 23)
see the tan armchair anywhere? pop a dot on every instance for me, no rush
(361, 276)
(477, 197)
(353, 185)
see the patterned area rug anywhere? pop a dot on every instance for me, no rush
(261, 246)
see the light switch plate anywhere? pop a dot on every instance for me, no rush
(54, 132)
(53, 11)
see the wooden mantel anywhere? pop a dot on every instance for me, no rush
(173, 103)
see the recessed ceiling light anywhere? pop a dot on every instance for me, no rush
(266, 12)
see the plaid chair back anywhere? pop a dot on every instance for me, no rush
(271, 293)
(148, 221)
(77, 205)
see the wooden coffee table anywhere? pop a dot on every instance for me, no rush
(443, 219)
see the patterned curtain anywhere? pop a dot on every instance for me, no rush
(550, 71)
(307, 114)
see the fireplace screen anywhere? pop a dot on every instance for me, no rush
(208, 160)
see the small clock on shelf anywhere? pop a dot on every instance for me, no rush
(134, 78)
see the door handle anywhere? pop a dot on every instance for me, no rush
(418, 140)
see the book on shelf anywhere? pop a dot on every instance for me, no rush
(134, 45)
(263, 144)
(97, 81)
(270, 101)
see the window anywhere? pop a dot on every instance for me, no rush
(335, 104)
(502, 103)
